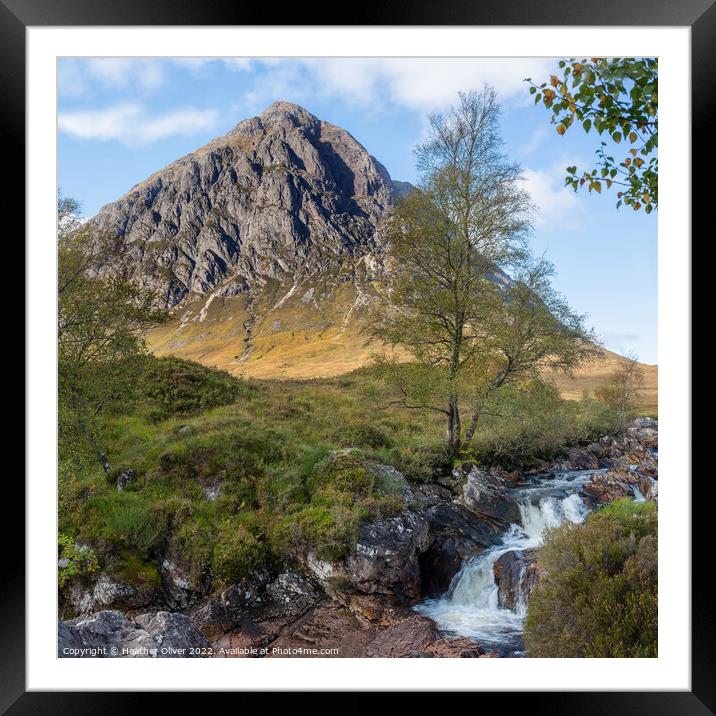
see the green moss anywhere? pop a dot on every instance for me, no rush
(328, 528)
(368, 436)
(344, 471)
(77, 560)
(237, 552)
(421, 463)
(124, 519)
(137, 571)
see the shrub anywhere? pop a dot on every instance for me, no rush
(380, 508)
(234, 457)
(75, 560)
(596, 418)
(365, 436)
(344, 471)
(139, 572)
(423, 463)
(597, 596)
(179, 387)
(329, 529)
(237, 552)
(124, 519)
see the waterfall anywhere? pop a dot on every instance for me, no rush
(548, 513)
(471, 605)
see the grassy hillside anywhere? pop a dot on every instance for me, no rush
(312, 329)
(231, 473)
(590, 376)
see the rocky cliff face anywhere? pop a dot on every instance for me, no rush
(280, 197)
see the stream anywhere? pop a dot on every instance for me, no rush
(470, 606)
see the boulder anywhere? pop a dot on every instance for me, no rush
(643, 422)
(430, 493)
(649, 487)
(487, 495)
(111, 634)
(125, 477)
(213, 619)
(609, 486)
(515, 576)
(413, 634)
(459, 648)
(385, 559)
(391, 481)
(290, 587)
(239, 605)
(180, 589)
(578, 459)
(457, 534)
(108, 592)
(648, 466)
(417, 637)
(453, 481)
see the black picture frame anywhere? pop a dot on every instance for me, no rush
(699, 15)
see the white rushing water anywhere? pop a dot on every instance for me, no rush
(470, 606)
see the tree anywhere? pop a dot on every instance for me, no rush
(622, 390)
(468, 328)
(102, 317)
(617, 97)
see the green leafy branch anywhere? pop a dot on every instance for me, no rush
(617, 97)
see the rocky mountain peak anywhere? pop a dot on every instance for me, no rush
(281, 194)
(288, 113)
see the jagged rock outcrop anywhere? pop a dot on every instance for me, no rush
(487, 495)
(609, 486)
(418, 637)
(385, 560)
(108, 592)
(457, 534)
(392, 481)
(108, 634)
(255, 607)
(280, 195)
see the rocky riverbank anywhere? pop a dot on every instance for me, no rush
(360, 605)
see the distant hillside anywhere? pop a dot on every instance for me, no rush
(591, 376)
(311, 329)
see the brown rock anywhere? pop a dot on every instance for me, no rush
(609, 486)
(414, 634)
(515, 575)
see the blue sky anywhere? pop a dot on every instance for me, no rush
(120, 120)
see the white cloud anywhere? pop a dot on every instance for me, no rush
(557, 204)
(197, 64)
(132, 125)
(421, 84)
(78, 77)
(424, 84)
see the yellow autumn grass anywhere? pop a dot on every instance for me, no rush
(299, 338)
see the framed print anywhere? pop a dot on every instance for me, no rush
(354, 353)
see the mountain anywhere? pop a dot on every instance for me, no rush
(266, 245)
(281, 196)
